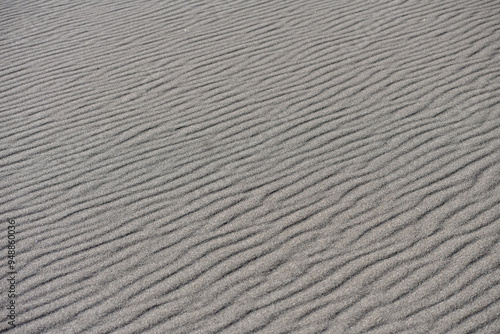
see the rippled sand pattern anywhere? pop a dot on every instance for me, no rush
(251, 166)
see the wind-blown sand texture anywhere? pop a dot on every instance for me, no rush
(251, 166)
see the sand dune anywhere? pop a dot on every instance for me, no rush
(251, 166)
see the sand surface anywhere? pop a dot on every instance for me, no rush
(251, 166)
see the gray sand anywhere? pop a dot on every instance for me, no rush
(251, 167)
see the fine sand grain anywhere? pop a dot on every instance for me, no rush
(251, 166)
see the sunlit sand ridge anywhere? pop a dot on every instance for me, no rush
(251, 167)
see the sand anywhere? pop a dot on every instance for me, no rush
(250, 166)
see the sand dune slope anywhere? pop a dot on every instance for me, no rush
(251, 166)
